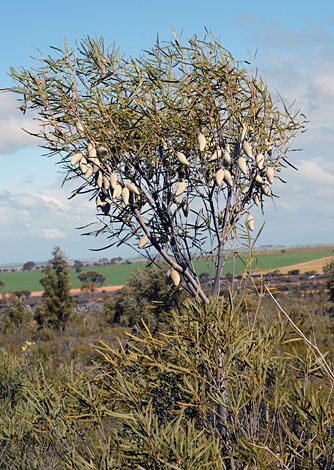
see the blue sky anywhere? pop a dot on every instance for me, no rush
(295, 53)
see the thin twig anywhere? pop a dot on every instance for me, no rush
(313, 347)
(272, 453)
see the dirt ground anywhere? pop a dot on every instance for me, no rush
(314, 265)
(76, 291)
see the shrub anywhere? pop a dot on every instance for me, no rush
(209, 394)
(146, 295)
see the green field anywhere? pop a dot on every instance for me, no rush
(118, 274)
(267, 261)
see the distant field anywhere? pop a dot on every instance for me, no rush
(266, 261)
(118, 274)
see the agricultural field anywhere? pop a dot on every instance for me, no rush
(116, 274)
(305, 259)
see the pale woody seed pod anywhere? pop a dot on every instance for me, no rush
(185, 209)
(83, 165)
(175, 276)
(125, 195)
(133, 188)
(201, 142)
(117, 191)
(106, 182)
(266, 190)
(250, 222)
(260, 161)
(89, 171)
(143, 241)
(80, 128)
(226, 158)
(248, 149)
(216, 154)
(259, 179)
(181, 186)
(99, 203)
(256, 199)
(182, 159)
(242, 165)
(91, 151)
(99, 179)
(76, 158)
(270, 172)
(219, 176)
(113, 180)
(243, 132)
(228, 178)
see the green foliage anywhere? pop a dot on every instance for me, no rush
(57, 300)
(137, 125)
(92, 276)
(28, 266)
(78, 266)
(146, 296)
(210, 393)
(16, 312)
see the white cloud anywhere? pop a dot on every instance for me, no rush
(325, 84)
(54, 200)
(52, 233)
(12, 123)
(317, 172)
(40, 214)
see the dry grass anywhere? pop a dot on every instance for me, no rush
(314, 265)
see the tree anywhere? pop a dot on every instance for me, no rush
(78, 266)
(145, 296)
(175, 146)
(92, 276)
(28, 266)
(329, 270)
(57, 300)
(16, 310)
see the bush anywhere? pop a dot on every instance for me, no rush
(146, 296)
(209, 394)
(16, 312)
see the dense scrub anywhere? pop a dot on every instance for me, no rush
(229, 385)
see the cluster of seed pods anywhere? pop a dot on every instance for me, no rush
(105, 179)
(245, 163)
(227, 167)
